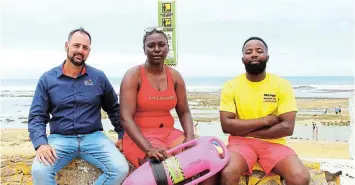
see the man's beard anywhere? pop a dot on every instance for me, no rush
(255, 69)
(72, 60)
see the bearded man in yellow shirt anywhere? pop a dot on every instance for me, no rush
(258, 110)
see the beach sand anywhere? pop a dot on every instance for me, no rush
(204, 108)
(320, 149)
(310, 109)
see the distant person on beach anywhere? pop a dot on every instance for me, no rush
(196, 130)
(148, 92)
(258, 110)
(338, 110)
(70, 97)
(314, 128)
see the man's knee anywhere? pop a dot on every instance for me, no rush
(231, 171)
(234, 169)
(119, 170)
(41, 174)
(39, 169)
(299, 177)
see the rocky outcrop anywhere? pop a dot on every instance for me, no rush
(16, 170)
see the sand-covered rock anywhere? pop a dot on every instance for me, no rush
(18, 155)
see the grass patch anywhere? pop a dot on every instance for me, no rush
(322, 117)
(204, 120)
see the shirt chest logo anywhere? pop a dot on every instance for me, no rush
(161, 97)
(88, 82)
(269, 97)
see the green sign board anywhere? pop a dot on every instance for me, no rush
(167, 19)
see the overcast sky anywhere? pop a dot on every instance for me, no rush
(305, 37)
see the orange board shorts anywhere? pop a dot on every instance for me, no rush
(158, 137)
(254, 150)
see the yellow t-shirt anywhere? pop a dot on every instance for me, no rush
(252, 100)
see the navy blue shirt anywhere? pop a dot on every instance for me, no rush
(72, 106)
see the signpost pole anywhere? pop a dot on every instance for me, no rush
(167, 19)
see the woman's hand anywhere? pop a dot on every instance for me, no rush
(157, 153)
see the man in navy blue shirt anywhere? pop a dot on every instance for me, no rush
(70, 98)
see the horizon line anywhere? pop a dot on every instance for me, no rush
(189, 76)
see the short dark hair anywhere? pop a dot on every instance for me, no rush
(151, 32)
(254, 38)
(82, 30)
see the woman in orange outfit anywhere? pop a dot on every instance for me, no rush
(148, 92)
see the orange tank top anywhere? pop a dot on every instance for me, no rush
(153, 106)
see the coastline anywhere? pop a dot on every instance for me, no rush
(204, 109)
(330, 149)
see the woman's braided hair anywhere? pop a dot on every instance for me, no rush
(150, 33)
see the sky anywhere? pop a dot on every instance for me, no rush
(305, 37)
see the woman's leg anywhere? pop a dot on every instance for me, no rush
(175, 138)
(134, 154)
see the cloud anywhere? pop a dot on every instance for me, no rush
(305, 35)
(63, 7)
(271, 10)
(33, 63)
(189, 10)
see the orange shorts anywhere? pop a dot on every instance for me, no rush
(253, 150)
(158, 137)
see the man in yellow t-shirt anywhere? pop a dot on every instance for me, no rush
(258, 110)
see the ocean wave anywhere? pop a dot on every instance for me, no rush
(6, 88)
(204, 88)
(338, 88)
(17, 93)
(325, 87)
(28, 91)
